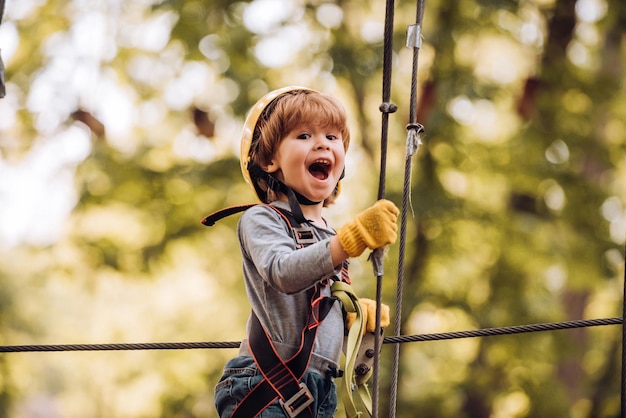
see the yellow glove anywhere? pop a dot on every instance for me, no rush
(373, 228)
(368, 309)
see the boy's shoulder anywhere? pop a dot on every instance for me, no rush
(268, 212)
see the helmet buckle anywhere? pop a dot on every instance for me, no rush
(272, 183)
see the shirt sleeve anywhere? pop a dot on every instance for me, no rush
(266, 242)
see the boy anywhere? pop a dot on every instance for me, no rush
(292, 154)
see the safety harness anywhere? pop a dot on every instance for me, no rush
(282, 379)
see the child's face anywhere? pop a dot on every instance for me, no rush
(310, 160)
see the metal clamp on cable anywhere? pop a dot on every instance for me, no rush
(376, 257)
(414, 36)
(298, 402)
(414, 139)
(417, 127)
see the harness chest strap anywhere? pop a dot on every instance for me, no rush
(282, 378)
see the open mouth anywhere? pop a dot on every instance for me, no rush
(320, 169)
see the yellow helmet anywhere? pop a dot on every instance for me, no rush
(249, 127)
(251, 171)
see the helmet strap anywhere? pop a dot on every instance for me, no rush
(294, 205)
(294, 198)
(303, 200)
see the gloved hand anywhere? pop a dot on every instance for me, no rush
(368, 309)
(373, 228)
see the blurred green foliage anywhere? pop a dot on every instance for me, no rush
(518, 195)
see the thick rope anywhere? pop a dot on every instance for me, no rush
(623, 394)
(393, 395)
(414, 35)
(485, 332)
(517, 329)
(118, 347)
(377, 256)
(2, 80)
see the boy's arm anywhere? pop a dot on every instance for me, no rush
(337, 253)
(270, 252)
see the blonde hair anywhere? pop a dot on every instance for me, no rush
(287, 112)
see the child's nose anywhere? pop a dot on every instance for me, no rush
(322, 142)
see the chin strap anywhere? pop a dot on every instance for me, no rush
(295, 199)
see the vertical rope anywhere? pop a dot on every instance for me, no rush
(393, 396)
(623, 394)
(1, 10)
(2, 81)
(413, 142)
(377, 256)
(414, 129)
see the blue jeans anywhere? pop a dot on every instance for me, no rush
(241, 375)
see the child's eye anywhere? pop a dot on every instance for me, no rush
(304, 136)
(331, 137)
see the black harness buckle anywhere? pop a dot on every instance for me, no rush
(304, 235)
(298, 402)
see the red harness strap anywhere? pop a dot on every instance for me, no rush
(282, 378)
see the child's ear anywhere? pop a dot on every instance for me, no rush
(271, 167)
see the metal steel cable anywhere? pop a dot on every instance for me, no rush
(414, 129)
(118, 347)
(517, 329)
(2, 80)
(386, 108)
(485, 332)
(393, 396)
(623, 394)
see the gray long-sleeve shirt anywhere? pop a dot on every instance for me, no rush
(277, 276)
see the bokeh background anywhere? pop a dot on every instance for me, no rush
(120, 131)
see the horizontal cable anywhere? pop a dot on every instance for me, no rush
(486, 332)
(118, 347)
(517, 329)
